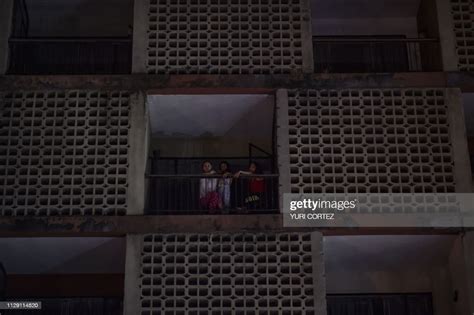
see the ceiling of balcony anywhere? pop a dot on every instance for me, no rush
(364, 17)
(364, 8)
(63, 255)
(81, 18)
(106, 255)
(210, 125)
(210, 115)
(385, 252)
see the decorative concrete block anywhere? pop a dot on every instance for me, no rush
(232, 274)
(64, 152)
(370, 141)
(225, 36)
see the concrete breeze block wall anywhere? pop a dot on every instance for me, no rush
(222, 36)
(226, 274)
(372, 141)
(462, 12)
(64, 152)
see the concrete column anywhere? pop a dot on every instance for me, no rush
(131, 301)
(468, 246)
(319, 273)
(447, 38)
(6, 19)
(283, 149)
(307, 37)
(138, 153)
(140, 36)
(457, 125)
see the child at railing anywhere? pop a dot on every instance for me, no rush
(223, 186)
(209, 198)
(256, 187)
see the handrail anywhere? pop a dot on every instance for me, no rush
(70, 39)
(208, 176)
(212, 194)
(357, 54)
(372, 40)
(205, 158)
(191, 165)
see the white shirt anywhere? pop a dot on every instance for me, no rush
(207, 185)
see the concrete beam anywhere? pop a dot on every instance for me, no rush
(225, 83)
(6, 18)
(105, 226)
(122, 225)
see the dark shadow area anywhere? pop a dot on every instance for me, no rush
(72, 37)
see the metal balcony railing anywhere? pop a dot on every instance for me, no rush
(366, 54)
(42, 56)
(213, 194)
(188, 165)
(380, 304)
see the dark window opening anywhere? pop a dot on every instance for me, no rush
(375, 36)
(70, 38)
(362, 54)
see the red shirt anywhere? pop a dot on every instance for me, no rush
(257, 185)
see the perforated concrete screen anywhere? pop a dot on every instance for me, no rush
(224, 36)
(462, 13)
(230, 274)
(369, 141)
(63, 153)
